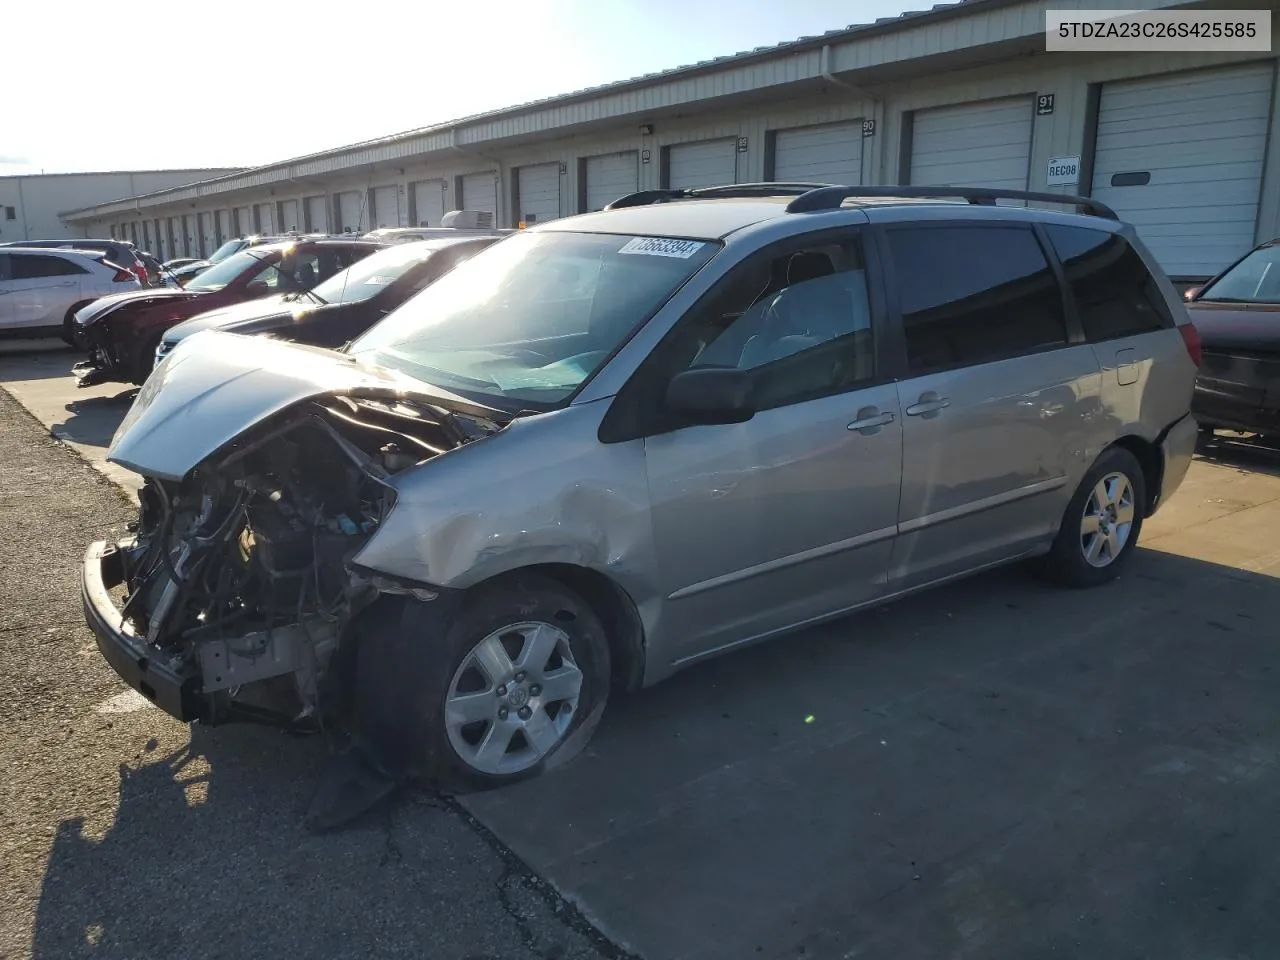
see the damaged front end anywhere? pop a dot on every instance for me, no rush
(115, 331)
(235, 591)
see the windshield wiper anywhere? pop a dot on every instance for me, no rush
(299, 294)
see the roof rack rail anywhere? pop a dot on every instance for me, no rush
(727, 191)
(830, 198)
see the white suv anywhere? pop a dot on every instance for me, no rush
(41, 289)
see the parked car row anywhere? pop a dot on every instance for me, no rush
(586, 455)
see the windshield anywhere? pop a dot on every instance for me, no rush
(219, 275)
(528, 320)
(226, 250)
(370, 276)
(1255, 279)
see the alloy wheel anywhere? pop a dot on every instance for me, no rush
(513, 698)
(1107, 521)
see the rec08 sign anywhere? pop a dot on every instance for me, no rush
(1063, 171)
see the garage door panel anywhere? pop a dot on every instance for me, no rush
(386, 206)
(318, 214)
(610, 176)
(428, 202)
(708, 163)
(480, 192)
(830, 153)
(1202, 138)
(985, 144)
(539, 190)
(1213, 138)
(352, 213)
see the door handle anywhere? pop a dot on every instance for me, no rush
(869, 418)
(67, 283)
(928, 405)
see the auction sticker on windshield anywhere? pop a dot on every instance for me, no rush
(662, 247)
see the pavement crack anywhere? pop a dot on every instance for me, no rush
(517, 876)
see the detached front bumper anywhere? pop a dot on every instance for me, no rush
(175, 690)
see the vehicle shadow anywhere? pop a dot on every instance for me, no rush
(94, 420)
(208, 856)
(1239, 450)
(950, 775)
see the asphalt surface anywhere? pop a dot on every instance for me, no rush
(124, 834)
(996, 769)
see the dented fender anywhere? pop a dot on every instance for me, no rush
(504, 503)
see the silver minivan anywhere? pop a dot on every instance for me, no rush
(616, 444)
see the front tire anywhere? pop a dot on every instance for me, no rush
(515, 685)
(1101, 524)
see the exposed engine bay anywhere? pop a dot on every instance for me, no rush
(240, 576)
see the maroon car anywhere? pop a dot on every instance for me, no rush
(1238, 316)
(122, 331)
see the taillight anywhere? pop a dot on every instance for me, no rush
(1191, 339)
(123, 276)
(140, 271)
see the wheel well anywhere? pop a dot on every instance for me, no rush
(71, 310)
(616, 611)
(1152, 463)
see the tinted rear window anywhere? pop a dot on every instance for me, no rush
(1115, 294)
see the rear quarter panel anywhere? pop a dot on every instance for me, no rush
(1148, 380)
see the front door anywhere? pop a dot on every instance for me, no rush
(42, 287)
(790, 516)
(998, 401)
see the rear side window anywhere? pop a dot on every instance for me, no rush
(1115, 294)
(974, 294)
(34, 266)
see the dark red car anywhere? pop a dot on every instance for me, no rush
(1238, 316)
(121, 331)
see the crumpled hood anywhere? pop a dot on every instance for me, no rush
(104, 306)
(233, 315)
(197, 400)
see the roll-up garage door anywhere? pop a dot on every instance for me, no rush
(480, 192)
(831, 153)
(190, 239)
(351, 212)
(244, 221)
(224, 226)
(157, 237)
(709, 163)
(539, 192)
(146, 236)
(386, 207)
(174, 232)
(610, 176)
(1180, 156)
(290, 216)
(318, 214)
(208, 239)
(984, 144)
(266, 218)
(428, 202)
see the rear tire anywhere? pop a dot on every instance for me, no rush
(1101, 524)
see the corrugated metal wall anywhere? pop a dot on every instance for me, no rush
(1066, 87)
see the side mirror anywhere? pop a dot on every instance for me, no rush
(257, 289)
(709, 395)
(1191, 292)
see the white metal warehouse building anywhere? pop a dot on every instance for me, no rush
(1183, 145)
